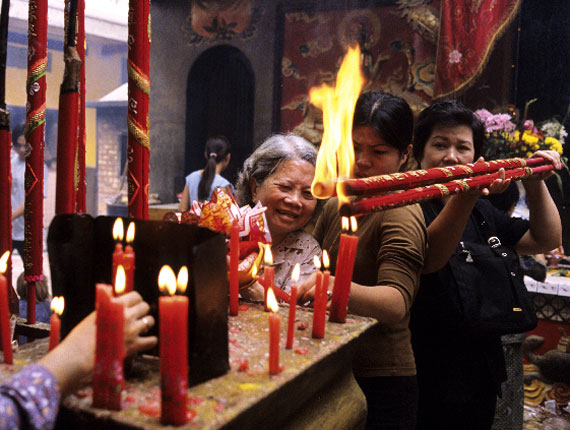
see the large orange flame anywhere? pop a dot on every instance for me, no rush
(336, 154)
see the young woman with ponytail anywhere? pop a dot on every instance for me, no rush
(201, 183)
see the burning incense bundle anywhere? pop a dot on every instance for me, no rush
(404, 180)
(68, 119)
(434, 191)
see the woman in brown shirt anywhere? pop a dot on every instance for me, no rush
(389, 259)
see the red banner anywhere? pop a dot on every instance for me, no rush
(468, 31)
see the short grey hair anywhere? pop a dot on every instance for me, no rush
(267, 158)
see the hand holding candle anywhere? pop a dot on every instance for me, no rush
(292, 307)
(173, 323)
(57, 305)
(5, 312)
(274, 332)
(343, 276)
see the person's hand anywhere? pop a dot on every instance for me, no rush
(551, 156)
(498, 186)
(137, 323)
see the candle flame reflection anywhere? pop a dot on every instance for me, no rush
(120, 280)
(317, 262)
(326, 260)
(118, 229)
(4, 261)
(272, 301)
(182, 279)
(167, 280)
(131, 232)
(57, 305)
(267, 256)
(296, 272)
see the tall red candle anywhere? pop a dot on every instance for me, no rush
(81, 192)
(343, 276)
(292, 307)
(129, 259)
(234, 262)
(118, 252)
(173, 321)
(57, 306)
(5, 312)
(108, 379)
(274, 332)
(268, 273)
(320, 302)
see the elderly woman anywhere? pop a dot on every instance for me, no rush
(279, 175)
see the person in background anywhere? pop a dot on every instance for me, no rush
(30, 399)
(18, 163)
(279, 174)
(389, 260)
(201, 183)
(43, 301)
(460, 372)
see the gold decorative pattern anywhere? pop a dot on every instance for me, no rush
(141, 81)
(138, 133)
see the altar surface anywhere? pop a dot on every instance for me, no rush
(315, 390)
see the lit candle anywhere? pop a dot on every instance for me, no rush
(120, 279)
(274, 332)
(320, 301)
(292, 307)
(268, 273)
(4, 311)
(57, 305)
(173, 323)
(118, 253)
(110, 351)
(234, 262)
(343, 276)
(129, 259)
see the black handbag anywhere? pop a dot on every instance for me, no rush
(486, 286)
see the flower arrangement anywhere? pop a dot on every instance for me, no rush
(507, 140)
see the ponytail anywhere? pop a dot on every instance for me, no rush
(217, 148)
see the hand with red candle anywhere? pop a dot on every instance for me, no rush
(292, 307)
(173, 325)
(118, 252)
(274, 332)
(5, 332)
(57, 305)
(128, 260)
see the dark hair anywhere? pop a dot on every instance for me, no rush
(17, 131)
(217, 148)
(389, 115)
(42, 291)
(448, 113)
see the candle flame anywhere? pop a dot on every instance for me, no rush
(254, 271)
(337, 104)
(131, 232)
(317, 262)
(272, 301)
(167, 280)
(57, 305)
(353, 224)
(326, 260)
(120, 280)
(118, 229)
(182, 279)
(344, 222)
(4, 261)
(267, 256)
(296, 272)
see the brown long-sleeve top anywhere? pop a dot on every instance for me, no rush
(390, 253)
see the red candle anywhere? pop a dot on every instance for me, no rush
(110, 351)
(118, 253)
(292, 307)
(268, 273)
(4, 311)
(234, 262)
(173, 322)
(274, 332)
(129, 259)
(57, 305)
(321, 297)
(343, 276)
